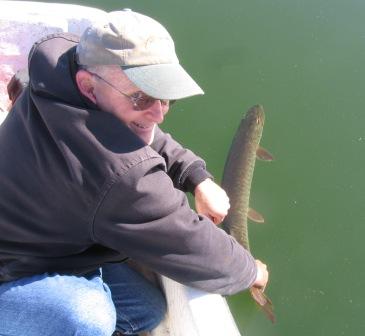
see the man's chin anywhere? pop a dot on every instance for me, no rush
(147, 138)
(149, 142)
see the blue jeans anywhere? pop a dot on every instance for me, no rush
(93, 305)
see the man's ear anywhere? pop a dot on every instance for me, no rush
(85, 83)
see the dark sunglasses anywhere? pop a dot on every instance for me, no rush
(139, 99)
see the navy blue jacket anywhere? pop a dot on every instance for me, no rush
(79, 189)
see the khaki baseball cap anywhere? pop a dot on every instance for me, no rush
(145, 51)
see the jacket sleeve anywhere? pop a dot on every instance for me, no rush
(144, 217)
(185, 169)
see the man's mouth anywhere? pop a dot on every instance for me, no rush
(141, 126)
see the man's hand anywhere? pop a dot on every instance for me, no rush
(211, 200)
(262, 275)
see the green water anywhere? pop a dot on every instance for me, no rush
(304, 61)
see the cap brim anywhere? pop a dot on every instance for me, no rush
(163, 81)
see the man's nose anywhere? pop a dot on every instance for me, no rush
(157, 111)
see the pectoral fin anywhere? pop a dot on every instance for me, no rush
(263, 154)
(255, 216)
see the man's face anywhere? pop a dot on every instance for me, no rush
(109, 90)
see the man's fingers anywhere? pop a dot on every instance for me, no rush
(217, 220)
(262, 275)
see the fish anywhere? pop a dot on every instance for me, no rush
(236, 181)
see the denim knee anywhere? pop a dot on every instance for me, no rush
(56, 305)
(92, 315)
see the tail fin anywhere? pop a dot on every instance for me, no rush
(264, 302)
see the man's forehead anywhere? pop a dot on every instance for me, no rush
(115, 74)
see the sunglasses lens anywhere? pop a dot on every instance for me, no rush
(144, 102)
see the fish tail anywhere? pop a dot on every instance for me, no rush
(264, 302)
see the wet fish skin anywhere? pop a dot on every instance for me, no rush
(236, 181)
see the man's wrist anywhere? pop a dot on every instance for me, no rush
(195, 176)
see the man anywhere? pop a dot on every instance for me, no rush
(88, 180)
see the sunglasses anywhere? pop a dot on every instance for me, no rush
(139, 99)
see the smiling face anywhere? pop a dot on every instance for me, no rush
(110, 89)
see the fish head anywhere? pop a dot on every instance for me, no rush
(255, 116)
